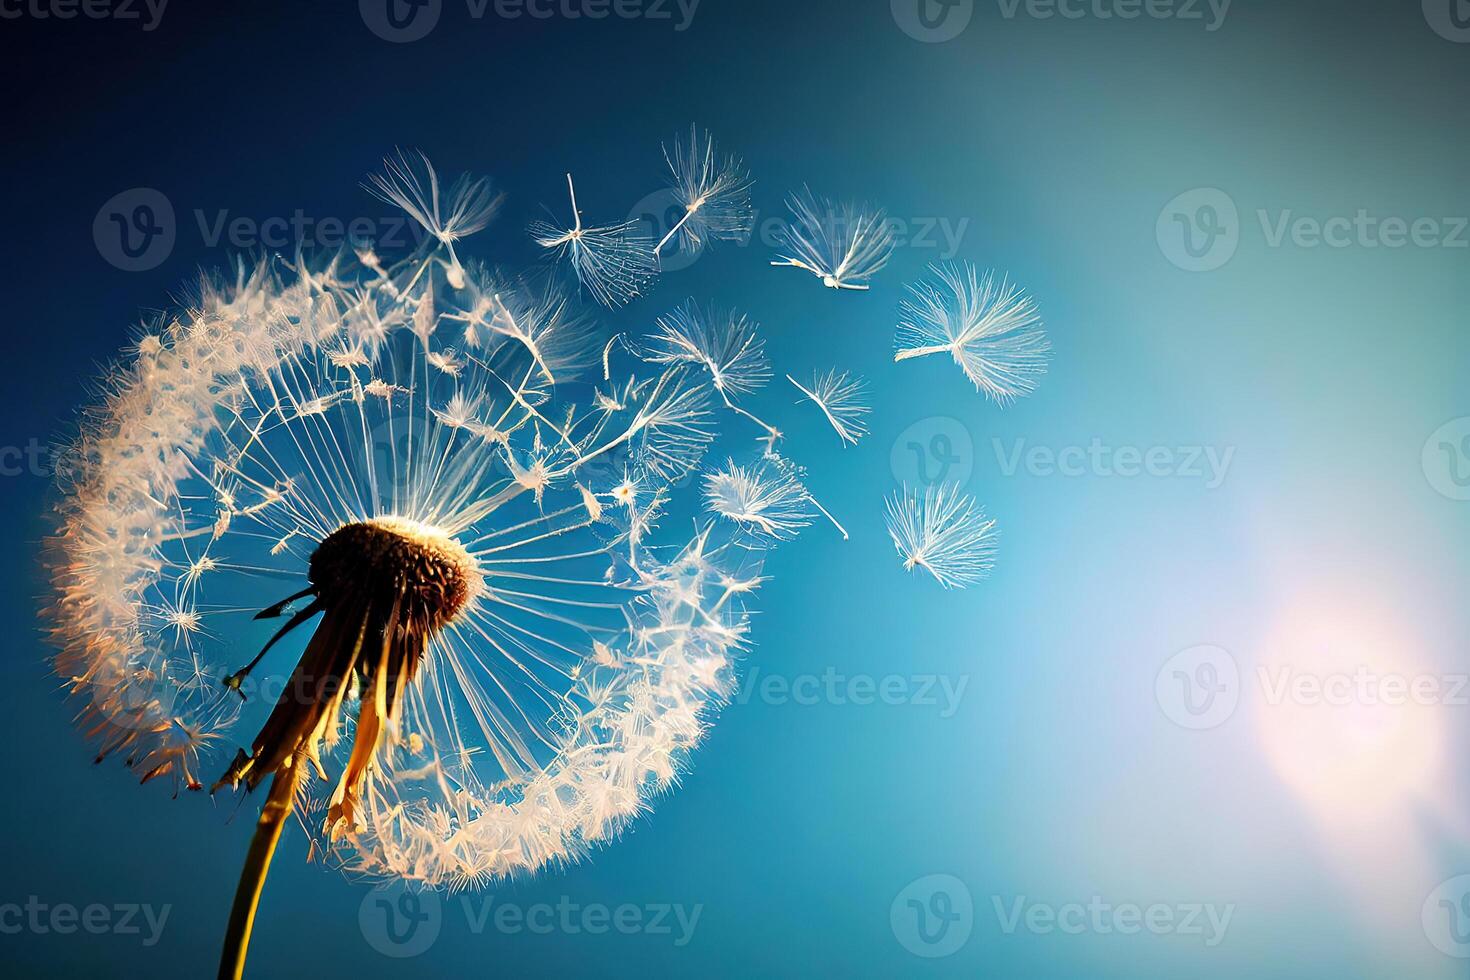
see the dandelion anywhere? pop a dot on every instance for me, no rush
(614, 264)
(507, 658)
(841, 399)
(727, 345)
(844, 246)
(766, 500)
(944, 532)
(714, 192)
(991, 329)
(410, 182)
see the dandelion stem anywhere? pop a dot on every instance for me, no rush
(273, 816)
(688, 213)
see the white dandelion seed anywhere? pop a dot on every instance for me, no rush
(842, 245)
(445, 361)
(765, 499)
(501, 671)
(842, 399)
(614, 264)
(713, 190)
(410, 182)
(726, 344)
(990, 328)
(944, 532)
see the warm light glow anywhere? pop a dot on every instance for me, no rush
(1348, 713)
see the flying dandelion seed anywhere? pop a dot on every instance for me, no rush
(713, 190)
(767, 500)
(991, 329)
(841, 398)
(507, 659)
(614, 264)
(728, 348)
(410, 182)
(727, 345)
(944, 532)
(842, 245)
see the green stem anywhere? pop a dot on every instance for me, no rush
(273, 816)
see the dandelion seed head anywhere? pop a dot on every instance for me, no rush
(842, 399)
(944, 532)
(842, 245)
(614, 263)
(990, 328)
(714, 190)
(765, 500)
(552, 665)
(725, 344)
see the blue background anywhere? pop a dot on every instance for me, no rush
(1061, 776)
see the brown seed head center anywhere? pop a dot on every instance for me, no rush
(393, 559)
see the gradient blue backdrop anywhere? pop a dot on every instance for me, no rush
(1061, 776)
